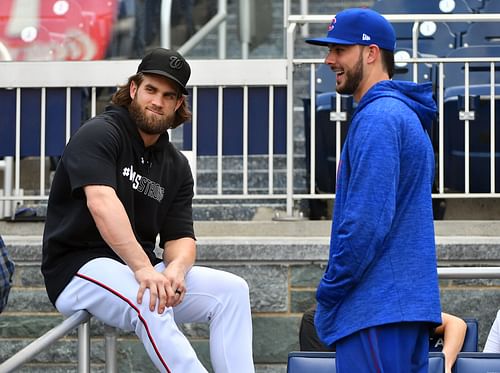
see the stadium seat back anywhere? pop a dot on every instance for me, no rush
(311, 362)
(404, 30)
(471, 336)
(477, 362)
(470, 342)
(404, 70)
(490, 6)
(436, 362)
(324, 362)
(482, 33)
(479, 72)
(325, 79)
(475, 5)
(479, 140)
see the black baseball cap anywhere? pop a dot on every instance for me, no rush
(167, 63)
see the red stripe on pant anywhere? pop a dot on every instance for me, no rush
(132, 305)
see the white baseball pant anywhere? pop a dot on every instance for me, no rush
(108, 290)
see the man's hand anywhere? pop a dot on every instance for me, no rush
(178, 256)
(175, 276)
(159, 287)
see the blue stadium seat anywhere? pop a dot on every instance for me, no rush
(471, 336)
(404, 71)
(325, 79)
(477, 362)
(325, 141)
(479, 72)
(434, 38)
(404, 30)
(421, 7)
(475, 5)
(479, 139)
(470, 342)
(311, 362)
(324, 362)
(490, 6)
(436, 362)
(482, 33)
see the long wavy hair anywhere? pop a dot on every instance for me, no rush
(122, 98)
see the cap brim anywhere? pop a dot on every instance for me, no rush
(328, 41)
(171, 77)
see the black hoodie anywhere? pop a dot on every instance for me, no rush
(154, 184)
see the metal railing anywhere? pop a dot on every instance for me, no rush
(92, 75)
(417, 61)
(222, 75)
(78, 320)
(81, 321)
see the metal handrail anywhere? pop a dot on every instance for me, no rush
(469, 272)
(79, 319)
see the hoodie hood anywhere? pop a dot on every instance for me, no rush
(417, 97)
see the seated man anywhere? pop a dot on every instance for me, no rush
(493, 342)
(119, 186)
(452, 330)
(6, 272)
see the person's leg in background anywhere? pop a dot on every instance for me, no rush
(308, 338)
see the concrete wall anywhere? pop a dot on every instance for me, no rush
(282, 266)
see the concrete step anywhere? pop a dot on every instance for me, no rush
(266, 227)
(282, 262)
(203, 209)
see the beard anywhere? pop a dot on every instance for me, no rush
(149, 124)
(353, 78)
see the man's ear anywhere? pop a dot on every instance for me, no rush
(133, 89)
(373, 53)
(179, 102)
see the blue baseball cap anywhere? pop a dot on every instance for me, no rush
(359, 26)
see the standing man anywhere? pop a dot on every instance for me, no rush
(119, 185)
(379, 295)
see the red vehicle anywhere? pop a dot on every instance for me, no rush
(50, 30)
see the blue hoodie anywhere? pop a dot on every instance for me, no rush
(382, 263)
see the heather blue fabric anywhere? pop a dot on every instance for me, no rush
(382, 263)
(366, 350)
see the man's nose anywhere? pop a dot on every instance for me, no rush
(329, 59)
(157, 100)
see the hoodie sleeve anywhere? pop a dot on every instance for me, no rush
(368, 208)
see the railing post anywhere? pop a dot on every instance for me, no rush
(84, 347)
(7, 165)
(289, 120)
(245, 28)
(110, 349)
(166, 24)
